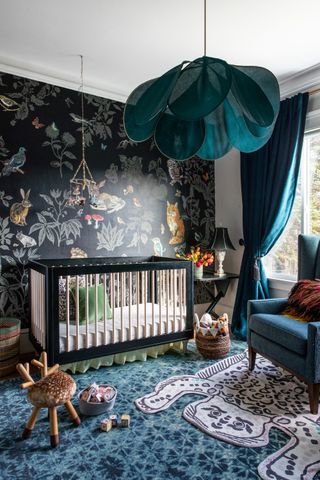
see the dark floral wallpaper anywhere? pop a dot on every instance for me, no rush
(138, 201)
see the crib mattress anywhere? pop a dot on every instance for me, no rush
(145, 322)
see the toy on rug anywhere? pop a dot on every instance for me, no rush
(55, 388)
(96, 399)
(112, 421)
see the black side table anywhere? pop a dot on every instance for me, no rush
(221, 282)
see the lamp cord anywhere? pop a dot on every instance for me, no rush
(205, 28)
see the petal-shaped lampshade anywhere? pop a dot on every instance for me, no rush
(178, 139)
(137, 133)
(201, 88)
(205, 109)
(155, 98)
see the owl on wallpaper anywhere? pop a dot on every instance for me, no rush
(175, 224)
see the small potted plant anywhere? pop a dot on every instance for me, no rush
(200, 259)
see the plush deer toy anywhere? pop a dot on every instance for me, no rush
(55, 388)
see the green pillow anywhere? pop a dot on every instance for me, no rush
(92, 295)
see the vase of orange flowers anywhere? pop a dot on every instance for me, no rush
(200, 259)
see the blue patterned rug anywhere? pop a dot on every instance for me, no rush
(240, 407)
(155, 447)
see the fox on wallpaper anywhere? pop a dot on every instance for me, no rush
(175, 224)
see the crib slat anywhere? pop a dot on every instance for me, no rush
(152, 302)
(96, 284)
(112, 305)
(121, 305)
(167, 300)
(160, 301)
(87, 309)
(77, 312)
(67, 313)
(174, 299)
(104, 309)
(138, 303)
(130, 303)
(144, 276)
(180, 299)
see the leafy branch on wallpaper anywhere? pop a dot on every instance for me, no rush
(51, 224)
(30, 95)
(14, 279)
(100, 124)
(60, 147)
(110, 237)
(141, 227)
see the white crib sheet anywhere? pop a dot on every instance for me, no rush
(141, 327)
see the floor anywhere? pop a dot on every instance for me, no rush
(156, 447)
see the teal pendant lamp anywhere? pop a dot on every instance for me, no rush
(204, 108)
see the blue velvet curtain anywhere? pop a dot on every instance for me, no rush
(268, 182)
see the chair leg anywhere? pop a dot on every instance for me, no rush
(313, 391)
(252, 358)
(73, 414)
(54, 435)
(31, 422)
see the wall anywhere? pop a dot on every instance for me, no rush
(229, 214)
(126, 213)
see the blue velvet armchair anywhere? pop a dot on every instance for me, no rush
(289, 343)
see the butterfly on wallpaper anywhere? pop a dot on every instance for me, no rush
(35, 122)
(103, 146)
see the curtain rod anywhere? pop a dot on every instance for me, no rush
(312, 92)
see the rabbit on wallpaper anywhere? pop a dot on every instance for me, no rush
(19, 210)
(104, 201)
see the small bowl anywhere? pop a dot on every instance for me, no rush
(90, 408)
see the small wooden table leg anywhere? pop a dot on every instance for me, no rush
(54, 435)
(72, 412)
(31, 422)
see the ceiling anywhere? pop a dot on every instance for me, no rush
(126, 42)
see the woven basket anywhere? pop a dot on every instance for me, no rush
(9, 345)
(213, 347)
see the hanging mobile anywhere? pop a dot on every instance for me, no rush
(82, 179)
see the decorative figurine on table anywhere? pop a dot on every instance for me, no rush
(55, 388)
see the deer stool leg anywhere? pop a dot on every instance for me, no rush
(31, 422)
(54, 435)
(73, 414)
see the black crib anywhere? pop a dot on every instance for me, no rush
(91, 307)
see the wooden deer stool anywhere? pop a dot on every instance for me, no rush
(55, 388)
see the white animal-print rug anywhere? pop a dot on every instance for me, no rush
(241, 406)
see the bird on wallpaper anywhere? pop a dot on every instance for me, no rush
(121, 221)
(158, 249)
(15, 163)
(8, 105)
(78, 119)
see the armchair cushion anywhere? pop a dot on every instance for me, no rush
(304, 301)
(281, 330)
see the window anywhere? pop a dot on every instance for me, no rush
(282, 261)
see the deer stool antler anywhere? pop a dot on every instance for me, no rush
(55, 388)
